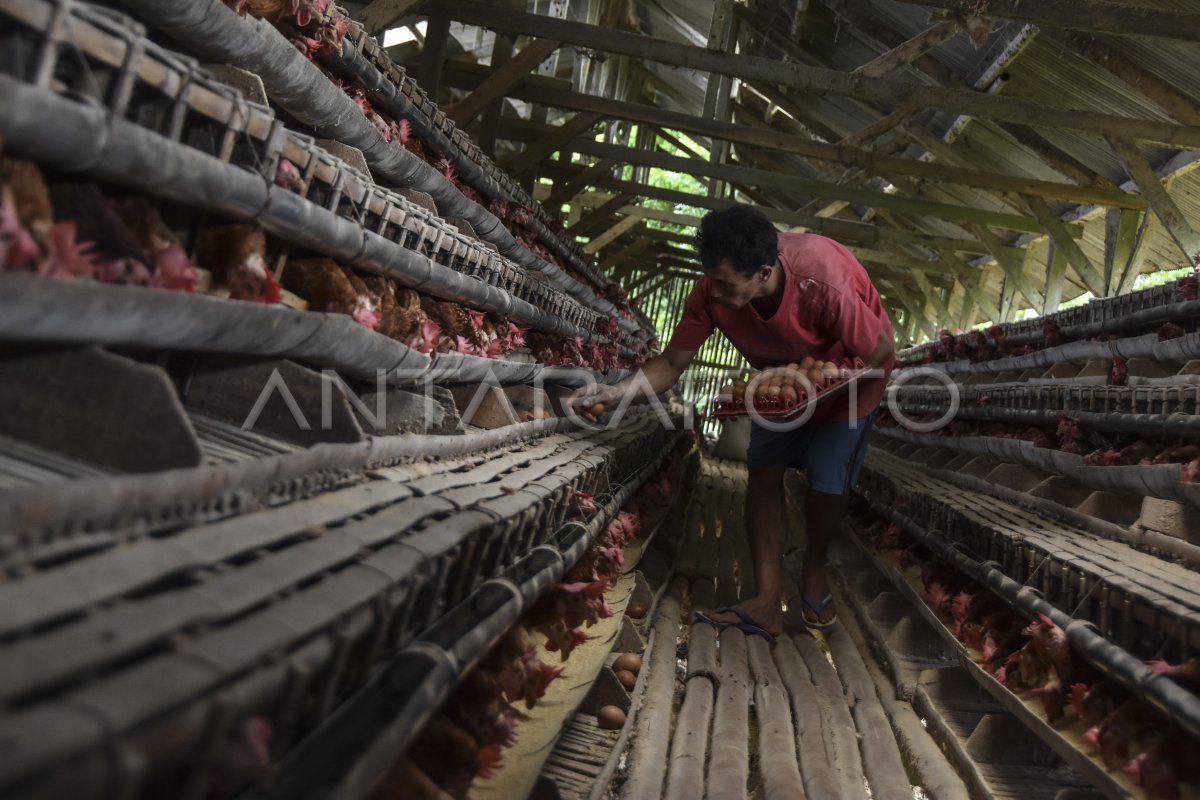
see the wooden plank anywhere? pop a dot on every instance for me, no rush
(882, 91)
(842, 230)
(966, 314)
(934, 296)
(569, 188)
(433, 54)
(914, 306)
(907, 52)
(1014, 269)
(612, 233)
(624, 254)
(592, 220)
(1082, 15)
(814, 188)
(1160, 200)
(556, 94)
(502, 80)
(1064, 240)
(1056, 273)
(531, 156)
(380, 14)
(489, 126)
(1121, 230)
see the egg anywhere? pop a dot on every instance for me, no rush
(806, 363)
(789, 395)
(816, 377)
(610, 718)
(773, 391)
(636, 610)
(793, 366)
(595, 410)
(629, 661)
(627, 679)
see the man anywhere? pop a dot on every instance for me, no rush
(779, 298)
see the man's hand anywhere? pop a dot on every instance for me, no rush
(595, 394)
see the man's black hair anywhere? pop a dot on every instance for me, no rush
(740, 233)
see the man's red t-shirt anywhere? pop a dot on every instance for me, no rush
(830, 310)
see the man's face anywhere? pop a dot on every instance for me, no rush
(732, 289)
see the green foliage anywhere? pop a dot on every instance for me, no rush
(1150, 279)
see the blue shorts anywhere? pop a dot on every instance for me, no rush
(830, 453)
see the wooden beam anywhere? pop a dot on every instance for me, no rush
(1093, 16)
(1014, 268)
(1121, 229)
(932, 295)
(883, 91)
(1064, 240)
(624, 254)
(598, 243)
(1160, 200)
(812, 188)
(842, 230)
(1056, 273)
(909, 51)
(914, 307)
(537, 152)
(551, 93)
(433, 54)
(596, 217)
(569, 188)
(502, 80)
(380, 15)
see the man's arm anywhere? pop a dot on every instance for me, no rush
(884, 350)
(661, 372)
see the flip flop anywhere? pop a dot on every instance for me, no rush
(746, 623)
(814, 623)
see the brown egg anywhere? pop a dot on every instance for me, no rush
(627, 679)
(773, 390)
(793, 366)
(806, 363)
(610, 718)
(525, 416)
(816, 377)
(789, 396)
(636, 610)
(629, 661)
(595, 410)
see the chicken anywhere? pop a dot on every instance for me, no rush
(447, 754)
(287, 175)
(244, 760)
(330, 287)
(1177, 454)
(237, 256)
(1118, 372)
(29, 197)
(172, 269)
(400, 314)
(1187, 672)
(1050, 333)
(406, 781)
(1170, 330)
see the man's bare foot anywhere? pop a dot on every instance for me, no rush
(815, 589)
(768, 614)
